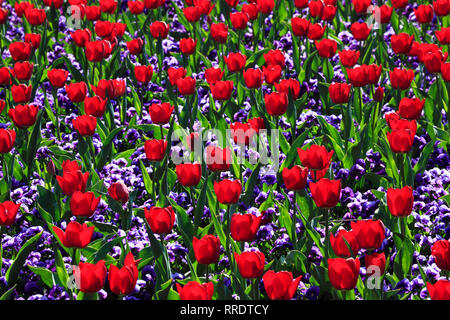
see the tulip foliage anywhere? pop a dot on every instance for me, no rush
(202, 149)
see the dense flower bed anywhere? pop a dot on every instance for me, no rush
(123, 123)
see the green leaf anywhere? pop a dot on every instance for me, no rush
(45, 274)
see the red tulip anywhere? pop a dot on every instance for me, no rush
(187, 46)
(218, 159)
(242, 132)
(348, 58)
(83, 204)
(339, 92)
(276, 103)
(196, 291)
(379, 94)
(186, 86)
(95, 106)
(280, 285)
(57, 77)
(35, 17)
(441, 7)
(326, 193)
(377, 260)
(400, 201)
(204, 6)
(76, 235)
(8, 213)
(382, 14)
(119, 192)
(256, 124)
(23, 116)
(123, 280)
(143, 73)
(401, 78)
(402, 43)
(206, 249)
(228, 191)
(219, 32)
(397, 4)
(23, 70)
(369, 233)
(159, 29)
(7, 139)
(235, 61)
(315, 8)
(250, 264)
(411, 109)
(243, 227)
(239, 20)
(81, 37)
(361, 5)
(72, 181)
(21, 93)
(192, 14)
(108, 6)
(135, 46)
(440, 290)
(95, 50)
(295, 178)
(5, 76)
(76, 91)
(441, 253)
(85, 125)
(272, 73)
(136, 7)
(155, 150)
(424, 13)
(3, 15)
(316, 31)
(212, 75)
(21, 7)
(160, 220)
(286, 85)
(70, 166)
(358, 76)
(222, 90)
(300, 26)
(265, 6)
(153, 4)
(340, 247)
(343, 273)
(443, 35)
(160, 113)
(251, 10)
(175, 74)
(300, 4)
(275, 57)
(89, 277)
(232, 3)
(360, 31)
(189, 174)
(400, 141)
(326, 48)
(315, 157)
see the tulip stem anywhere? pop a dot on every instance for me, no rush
(207, 273)
(1, 250)
(55, 103)
(327, 240)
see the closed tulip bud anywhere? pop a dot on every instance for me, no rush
(369, 233)
(360, 31)
(83, 204)
(222, 90)
(72, 181)
(95, 106)
(23, 116)
(401, 78)
(339, 246)
(219, 32)
(89, 277)
(143, 73)
(402, 43)
(243, 227)
(251, 10)
(315, 157)
(3, 15)
(76, 91)
(57, 77)
(280, 285)
(155, 150)
(326, 48)
(8, 213)
(316, 31)
(21, 93)
(272, 73)
(212, 75)
(300, 26)
(175, 74)
(441, 253)
(375, 261)
(7, 139)
(135, 46)
(411, 109)
(186, 86)
(187, 46)
(2, 105)
(250, 264)
(196, 291)
(136, 7)
(123, 280)
(239, 20)
(424, 13)
(81, 37)
(400, 141)
(379, 94)
(343, 273)
(373, 73)
(228, 191)
(119, 192)
(276, 103)
(35, 17)
(339, 92)
(440, 290)
(218, 159)
(51, 169)
(76, 235)
(235, 61)
(160, 113)
(206, 249)
(326, 193)
(189, 174)
(348, 58)
(160, 220)
(159, 29)
(295, 179)
(85, 125)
